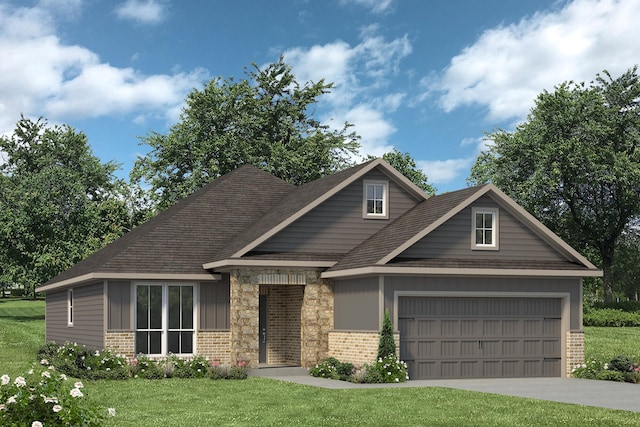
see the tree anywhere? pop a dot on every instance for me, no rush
(575, 162)
(387, 344)
(58, 202)
(626, 264)
(265, 120)
(406, 165)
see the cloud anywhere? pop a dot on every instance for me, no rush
(142, 11)
(508, 66)
(442, 172)
(375, 6)
(43, 76)
(361, 75)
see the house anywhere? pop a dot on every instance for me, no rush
(255, 268)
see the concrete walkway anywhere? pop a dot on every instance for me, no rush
(604, 394)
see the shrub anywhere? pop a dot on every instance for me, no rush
(588, 370)
(220, 371)
(621, 364)
(80, 362)
(387, 345)
(143, 367)
(45, 395)
(610, 317)
(607, 375)
(326, 369)
(198, 367)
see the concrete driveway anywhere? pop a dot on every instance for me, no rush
(604, 394)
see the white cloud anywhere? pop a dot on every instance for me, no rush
(442, 172)
(508, 66)
(375, 6)
(142, 11)
(43, 76)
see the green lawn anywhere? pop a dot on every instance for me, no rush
(259, 401)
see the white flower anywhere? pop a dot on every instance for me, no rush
(11, 400)
(20, 382)
(112, 412)
(2, 407)
(78, 385)
(63, 377)
(49, 399)
(44, 362)
(36, 424)
(76, 392)
(46, 374)
(57, 408)
(397, 380)
(30, 372)
(606, 366)
(6, 379)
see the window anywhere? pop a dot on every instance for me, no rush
(375, 199)
(485, 228)
(70, 307)
(165, 318)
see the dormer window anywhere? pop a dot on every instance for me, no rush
(484, 233)
(376, 199)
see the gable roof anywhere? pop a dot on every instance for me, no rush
(381, 252)
(301, 201)
(177, 241)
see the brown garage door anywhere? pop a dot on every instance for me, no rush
(480, 337)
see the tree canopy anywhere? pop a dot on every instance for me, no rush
(406, 165)
(575, 162)
(58, 202)
(265, 119)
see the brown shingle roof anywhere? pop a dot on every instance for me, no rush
(182, 238)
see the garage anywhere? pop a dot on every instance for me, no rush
(478, 337)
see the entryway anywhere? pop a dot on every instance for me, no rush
(279, 328)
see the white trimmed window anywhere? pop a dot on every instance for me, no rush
(70, 307)
(165, 318)
(484, 233)
(376, 199)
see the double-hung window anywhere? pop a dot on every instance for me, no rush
(484, 228)
(376, 199)
(165, 318)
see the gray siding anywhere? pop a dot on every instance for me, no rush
(88, 318)
(337, 226)
(453, 239)
(356, 304)
(481, 284)
(119, 306)
(214, 304)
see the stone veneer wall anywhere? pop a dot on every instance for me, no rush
(121, 342)
(356, 347)
(214, 345)
(575, 350)
(316, 314)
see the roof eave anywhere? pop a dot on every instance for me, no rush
(85, 278)
(234, 262)
(460, 272)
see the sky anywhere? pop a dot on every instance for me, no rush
(429, 78)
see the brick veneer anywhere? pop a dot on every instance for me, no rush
(122, 342)
(357, 347)
(575, 350)
(214, 345)
(284, 306)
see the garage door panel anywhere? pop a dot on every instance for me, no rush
(480, 337)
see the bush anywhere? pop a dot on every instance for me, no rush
(198, 367)
(333, 369)
(610, 317)
(80, 362)
(588, 370)
(47, 397)
(610, 376)
(220, 371)
(144, 367)
(621, 364)
(387, 345)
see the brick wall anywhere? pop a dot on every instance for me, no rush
(122, 342)
(575, 350)
(214, 345)
(357, 347)
(284, 304)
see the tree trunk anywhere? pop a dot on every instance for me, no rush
(607, 280)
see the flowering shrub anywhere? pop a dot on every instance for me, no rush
(198, 367)
(45, 396)
(589, 370)
(222, 371)
(620, 368)
(334, 369)
(80, 362)
(384, 370)
(142, 366)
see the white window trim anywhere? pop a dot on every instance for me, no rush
(165, 320)
(385, 200)
(70, 307)
(495, 232)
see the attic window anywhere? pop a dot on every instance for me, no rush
(376, 199)
(484, 228)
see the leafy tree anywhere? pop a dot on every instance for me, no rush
(575, 162)
(265, 120)
(405, 164)
(387, 345)
(626, 265)
(58, 202)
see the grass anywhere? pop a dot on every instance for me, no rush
(259, 401)
(606, 343)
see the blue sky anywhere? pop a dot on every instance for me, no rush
(426, 77)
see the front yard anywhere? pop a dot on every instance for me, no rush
(259, 401)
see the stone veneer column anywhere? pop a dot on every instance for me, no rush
(316, 320)
(244, 311)
(575, 350)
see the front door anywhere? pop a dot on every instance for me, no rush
(262, 330)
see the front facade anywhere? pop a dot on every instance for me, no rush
(252, 268)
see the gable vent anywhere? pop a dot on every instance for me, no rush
(282, 279)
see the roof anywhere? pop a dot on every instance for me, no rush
(221, 225)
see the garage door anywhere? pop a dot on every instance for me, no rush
(480, 337)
